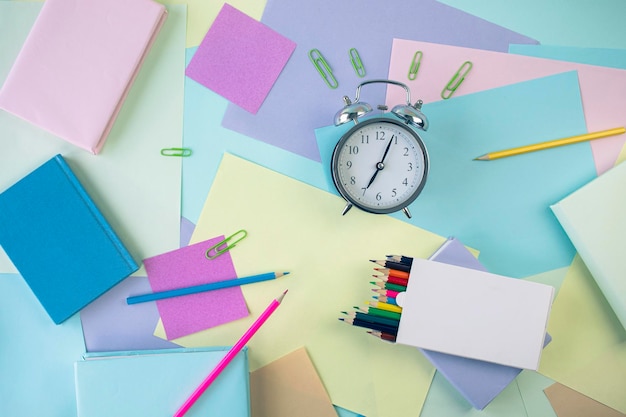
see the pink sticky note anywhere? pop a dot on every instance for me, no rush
(188, 266)
(240, 58)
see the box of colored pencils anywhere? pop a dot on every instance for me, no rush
(381, 316)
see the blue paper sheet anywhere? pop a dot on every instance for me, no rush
(501, 206)
(36, 356)
(300, 101)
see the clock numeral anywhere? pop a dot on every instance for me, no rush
(380, 135)
(410, 166)
(364, 189)
(353, 150)
(379, 197)
(349, 164)
(365, 139)
(406, 152)
(394, 192)
(352, 180)
(405, 182)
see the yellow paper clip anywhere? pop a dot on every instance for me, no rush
(176, 152)
(323, 68)
(415, 65)
(224, 246)
(356, 63)
(456, 80)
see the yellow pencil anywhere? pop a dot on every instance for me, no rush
(385, 306)
(551, 144)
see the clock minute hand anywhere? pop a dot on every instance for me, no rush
(380, 165)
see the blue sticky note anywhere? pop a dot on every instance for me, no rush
(156, 383)
(500, 206)
(59, 241)
(36, 355)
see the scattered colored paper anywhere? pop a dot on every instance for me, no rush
(569, 403)
(240, 58)
(110, 324)
(204, 111)
(300, 101)
(289, 386)
(602, 89)
(308, 236)
(485, 203)
(589, 357)
(187, 267)
(201, 14)
(554, 24)
(606, 57)
(138, 189)
(36, 355)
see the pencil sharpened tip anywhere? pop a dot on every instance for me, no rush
(482, 158)
(280, 299)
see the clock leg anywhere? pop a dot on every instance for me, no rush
(346, 208)
(407, 212)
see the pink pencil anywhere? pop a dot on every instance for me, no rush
(229, 356)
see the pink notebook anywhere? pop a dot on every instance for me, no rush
(77, 65)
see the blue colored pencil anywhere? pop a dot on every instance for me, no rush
(203, 287)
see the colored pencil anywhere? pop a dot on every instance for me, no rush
(390, 337)
(407, 260)
(387, 293)
(393, 273)
(392, 280)
(550, 144)
(372, 318)
(389, 286)
(385, 306)
(204, 287)
(370, 325)
(229, 356)
(385, 299)
(378, 312)
(393, 265)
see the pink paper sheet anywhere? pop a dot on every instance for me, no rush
(188, 266)
(240, 58)
(603, 90)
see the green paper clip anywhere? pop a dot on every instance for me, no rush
(323, 68)
(456, 80)
(224, 246)
(356, 63)
(415, 65)
(176, 152)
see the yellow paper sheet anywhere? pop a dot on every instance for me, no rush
(287, 387)
(585, 334)
(298, 228)
(202, 13)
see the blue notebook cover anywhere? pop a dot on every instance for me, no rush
(156, 383)
(478, 381)
(59, 241)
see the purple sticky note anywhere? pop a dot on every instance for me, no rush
(186, 267)
(240, 58)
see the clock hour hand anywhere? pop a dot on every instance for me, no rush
(380, 165)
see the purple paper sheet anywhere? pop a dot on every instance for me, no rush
(300, 100)
(110, 324)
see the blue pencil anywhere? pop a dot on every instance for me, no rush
(203, 287)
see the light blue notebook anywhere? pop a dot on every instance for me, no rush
(156, 383)
(59, 241)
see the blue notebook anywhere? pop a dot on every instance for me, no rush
(59, 241)
(156, 383)
(478, 381)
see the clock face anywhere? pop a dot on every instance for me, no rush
(380, 165)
